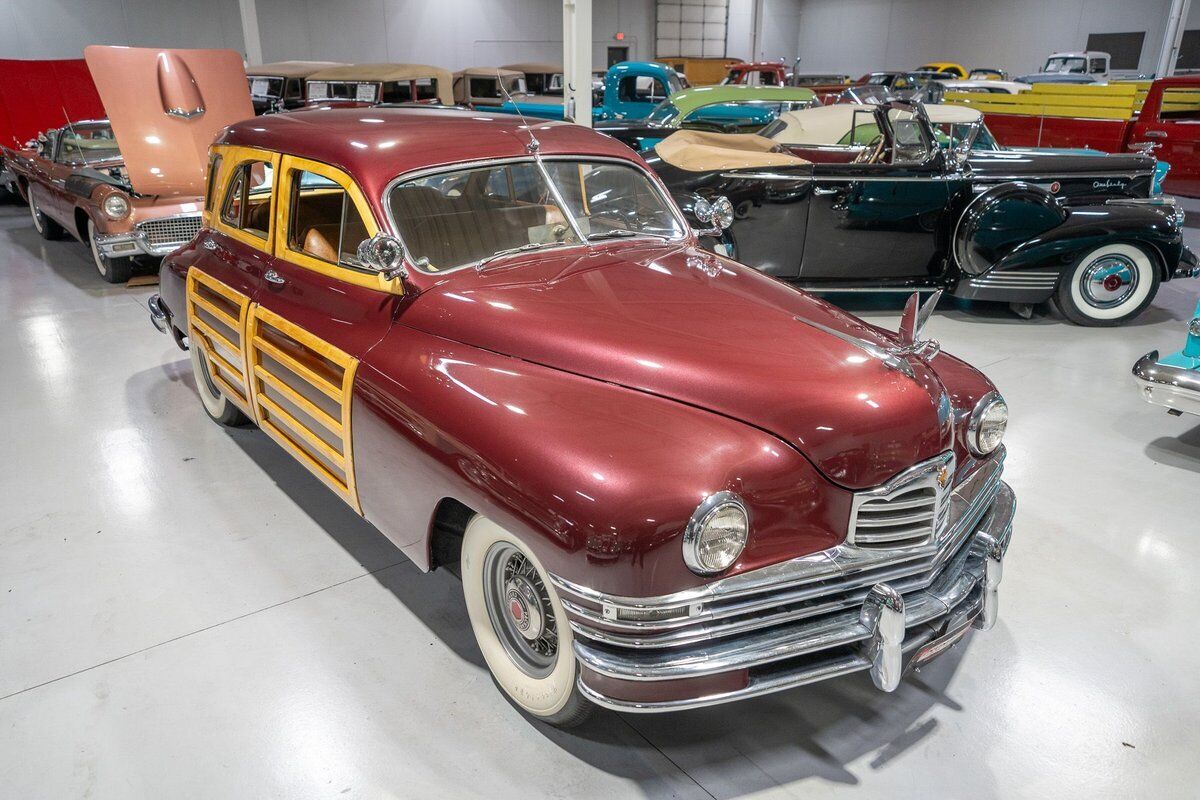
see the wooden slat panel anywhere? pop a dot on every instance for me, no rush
(219, 360)
(315, 467)
(319, 414)
(327, 388)
(216, 312)
(296, 426)
(211, 333)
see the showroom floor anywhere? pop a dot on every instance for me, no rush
(185, 612)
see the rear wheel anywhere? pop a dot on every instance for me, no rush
(1109, 286)
(47, 228)
(520, 626)
(219, 407)
(113, 270)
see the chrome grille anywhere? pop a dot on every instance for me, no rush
(906, 515)
(170, 230)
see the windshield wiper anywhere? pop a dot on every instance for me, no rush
(519, 249)
(623, 233)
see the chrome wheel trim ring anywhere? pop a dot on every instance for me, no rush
(1109, 281)
(520, 610)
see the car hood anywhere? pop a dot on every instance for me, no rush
(687, 325)
(166, 107)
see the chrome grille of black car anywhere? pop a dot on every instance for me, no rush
(170, 230)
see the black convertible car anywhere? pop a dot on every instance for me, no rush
(882, 197)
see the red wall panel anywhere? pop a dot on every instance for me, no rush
(36, 95)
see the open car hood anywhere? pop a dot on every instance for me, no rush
(166, 107)
(704, 331)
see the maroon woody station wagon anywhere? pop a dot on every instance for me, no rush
(668, 479)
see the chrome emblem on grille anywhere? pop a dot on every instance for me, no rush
(943, 477)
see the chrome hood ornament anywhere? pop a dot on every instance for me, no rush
(911, 345)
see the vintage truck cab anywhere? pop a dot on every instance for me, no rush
(1090, 66)
(757, 73)
(631, 91)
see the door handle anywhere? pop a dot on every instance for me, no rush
(271, 276)
(819, 190)
(1157, 134)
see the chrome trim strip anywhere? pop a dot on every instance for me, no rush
(838, 561)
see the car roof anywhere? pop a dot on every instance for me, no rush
(688, 100)
(374, 145)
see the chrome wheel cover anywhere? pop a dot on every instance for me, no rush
(1109, 281)
(520, 610)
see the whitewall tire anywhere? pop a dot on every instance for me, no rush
(47, 228)
(113, 270)
(519, 623)
(219, 407)
(1108, 286)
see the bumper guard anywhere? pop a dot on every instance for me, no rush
(1174, 388)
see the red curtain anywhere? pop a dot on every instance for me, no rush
(36, 95)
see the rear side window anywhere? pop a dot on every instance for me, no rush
(1180, 103)
(247, 204)
(323, 222)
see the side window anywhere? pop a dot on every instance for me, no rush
(396, 92)
(1180, 104)
(641, 89)
(323, 221)
(293, 89)
(247, 203)
(210, 194)
(1097, 65)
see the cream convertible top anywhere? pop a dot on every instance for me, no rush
(290, 69)
(698, 151)
(370, 73)
(831, 124)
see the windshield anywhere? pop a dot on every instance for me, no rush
(1063, 64)
(470, 216)
(88, 144)
(663, 113)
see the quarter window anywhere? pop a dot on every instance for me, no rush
(214, 166)
(323, 221)
(247, 203)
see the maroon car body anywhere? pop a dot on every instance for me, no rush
(587, 398)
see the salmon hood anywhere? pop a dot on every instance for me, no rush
(687, 325)
(166, 107)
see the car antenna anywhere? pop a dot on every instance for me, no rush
(74, 136)
(534, 145)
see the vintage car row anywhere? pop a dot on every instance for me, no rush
(496, 342)
(880, 198)
(367, 84)
(132, 185)
(282, 85)
(632, 89)
(1173, 381)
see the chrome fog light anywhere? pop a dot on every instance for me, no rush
(988, 423)
(115, 206)
(716, 534)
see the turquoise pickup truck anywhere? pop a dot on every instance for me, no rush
(631, 91)
(1173, 381)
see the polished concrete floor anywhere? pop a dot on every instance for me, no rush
(184, 612)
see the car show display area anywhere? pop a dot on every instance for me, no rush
(186, 606)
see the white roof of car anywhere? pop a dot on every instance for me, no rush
(830, 124)
(1010, 87)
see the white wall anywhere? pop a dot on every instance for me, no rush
(450, 33)
(855, 36)
(62, 28)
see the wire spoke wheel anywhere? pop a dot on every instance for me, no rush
(520, 609)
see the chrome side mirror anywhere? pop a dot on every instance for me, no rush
(384, 254)
(717, 214)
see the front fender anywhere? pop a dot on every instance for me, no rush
(599, 480)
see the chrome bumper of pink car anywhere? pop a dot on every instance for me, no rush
(838, 612)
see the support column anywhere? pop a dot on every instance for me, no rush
(577, 61)
(253, 42)
(1171, 38)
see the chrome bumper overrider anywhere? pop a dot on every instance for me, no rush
(840, 611)
(1164, 385)
(134, 243)
(159, 316)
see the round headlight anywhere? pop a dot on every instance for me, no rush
(989, 420)
(115, 206)
(716, 534)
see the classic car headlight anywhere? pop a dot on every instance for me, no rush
(989, 420)
(716, 534)
(115, 206)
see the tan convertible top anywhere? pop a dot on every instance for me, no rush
(290, 69)
(390, 72)
(488, 72)
(698, 151)
(535, 68)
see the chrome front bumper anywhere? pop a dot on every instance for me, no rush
(840, 611)
(1163, 385)
(135, 243)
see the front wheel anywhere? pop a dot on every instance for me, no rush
(113, 270)
(1109, 286)
(219, 407)
(520, 626)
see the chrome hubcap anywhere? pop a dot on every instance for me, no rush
(1109, 281)
(520, 610)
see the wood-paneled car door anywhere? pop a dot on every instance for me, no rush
(228, 269)
(877, 218)
(317, 314)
